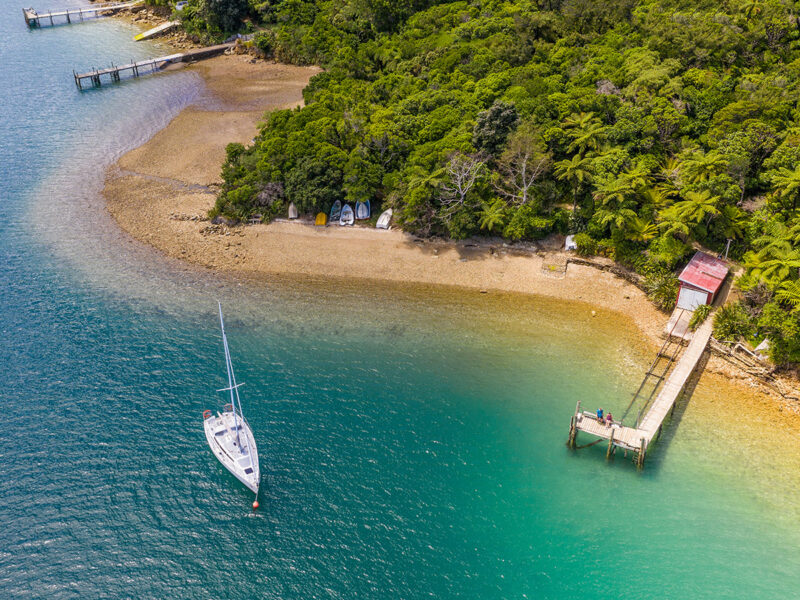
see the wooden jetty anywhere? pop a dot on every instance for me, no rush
(34, 18)
(114, 73)
(648, 424)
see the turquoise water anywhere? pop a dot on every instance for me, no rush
(411, 439)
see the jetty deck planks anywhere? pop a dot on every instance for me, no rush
(152, 65)
(34, 18)
(637, 439)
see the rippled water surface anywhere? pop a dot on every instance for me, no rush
(411, 439)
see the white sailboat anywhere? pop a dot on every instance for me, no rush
(228, 434)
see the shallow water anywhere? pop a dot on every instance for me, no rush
(411, 438)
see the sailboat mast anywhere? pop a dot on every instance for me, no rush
(231, 380)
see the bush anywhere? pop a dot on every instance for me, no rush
(732, 323)
(462, 224)
(606, 248)
(265, 41)
(662, 289)
(667, 251)
(699, 316)
(783, 330)
(586, 245)
(525, 223)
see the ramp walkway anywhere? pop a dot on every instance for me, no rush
(157, 30)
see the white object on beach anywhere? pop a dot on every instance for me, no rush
(347, 217)
(384, 219)
(228, 434)
(363, 210)
(292, 211)
(570, 244)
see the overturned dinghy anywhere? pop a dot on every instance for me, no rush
(336, 211)
(321, 220)
(363, 210)
(384, 219)
(292, 211)
(347, 217)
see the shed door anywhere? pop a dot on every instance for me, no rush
(691, 299)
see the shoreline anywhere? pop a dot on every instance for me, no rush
(160, 193)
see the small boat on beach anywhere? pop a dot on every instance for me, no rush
(336, 211)
(321, 220)
(384, 219)
(228, 434)
(363, 210)
(347, 217)
(292, 211)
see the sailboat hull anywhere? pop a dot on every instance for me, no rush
(239, 457)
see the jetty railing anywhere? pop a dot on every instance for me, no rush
(34, 18)
(648, 426)
(114, 73)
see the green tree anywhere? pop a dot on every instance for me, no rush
(575, 171)
(772, 265)
(493, 215)
(699, 167)
(640, 230)
(786, 184)
(696, 208)
(493, 125)
(227, 15)
(789, 293)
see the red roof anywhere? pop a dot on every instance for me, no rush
(704, 272)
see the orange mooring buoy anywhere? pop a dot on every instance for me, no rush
(255, 505)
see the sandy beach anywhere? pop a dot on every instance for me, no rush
(160, 194)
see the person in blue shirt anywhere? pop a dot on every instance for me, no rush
(600, 415)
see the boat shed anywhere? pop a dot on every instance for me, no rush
(700, 281)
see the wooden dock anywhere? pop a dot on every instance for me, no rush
(115, 73)
(34, 18)
(648, 424)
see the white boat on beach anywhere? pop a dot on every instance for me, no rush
(347, 218)
(228, 434)
(384, 219)
(363, 210)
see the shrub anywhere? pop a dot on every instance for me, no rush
(586, 245)
(265, 41)
(699, 316)
(732, 322)
(462, 224)
(668, 251)
(783, 330)
(662, 289)
(606, 248)
(526, 224)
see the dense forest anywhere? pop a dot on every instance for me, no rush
(648, 128)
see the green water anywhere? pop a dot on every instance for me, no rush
(411, 439)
